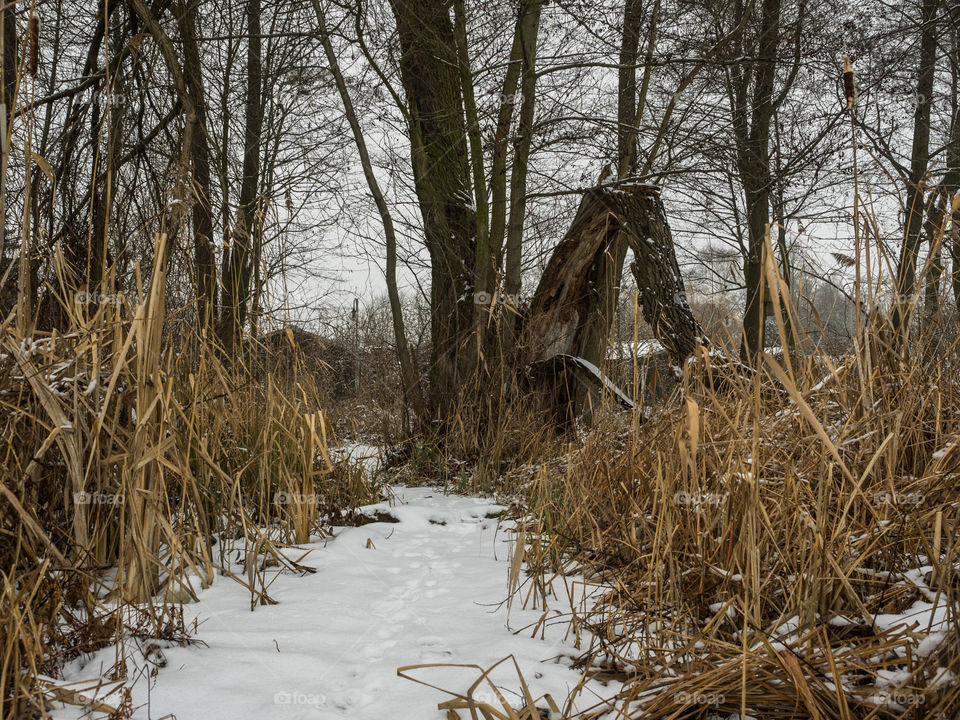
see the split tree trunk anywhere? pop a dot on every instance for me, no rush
(566, 296)
(607, 272)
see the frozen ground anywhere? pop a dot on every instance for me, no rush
(426, 589)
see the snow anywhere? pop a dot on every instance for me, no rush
(368, 455)
(429, 588)
(827, 378)
(643, 348)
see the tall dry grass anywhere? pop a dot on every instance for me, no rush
(772, 545)
(139, 461)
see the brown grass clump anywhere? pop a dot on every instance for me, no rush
(136, 461)
(753, 544)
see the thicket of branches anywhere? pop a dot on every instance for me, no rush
(271, 139)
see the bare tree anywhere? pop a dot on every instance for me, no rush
(905, 281)
(238, 257)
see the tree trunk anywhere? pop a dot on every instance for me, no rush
(633, 15)
(563, 301)
(236, 277)
(106, 115)
(754, 167)
(906, 279)
(951, 179)
(429, 70)
(528, 28)
(408, 371)
(508, 100)
(484, 255)
(72, 232)
(938, 218)
(8, 88)
(203, 257)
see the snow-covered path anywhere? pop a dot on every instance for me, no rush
(427, 589)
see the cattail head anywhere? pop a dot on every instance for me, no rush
(33, 40)
(849, 89)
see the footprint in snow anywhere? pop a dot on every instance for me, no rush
(433, 649)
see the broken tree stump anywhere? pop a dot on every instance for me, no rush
(566, 294)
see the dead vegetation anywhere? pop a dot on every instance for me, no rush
(781, 543)
(784, 547)
(138, 463)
